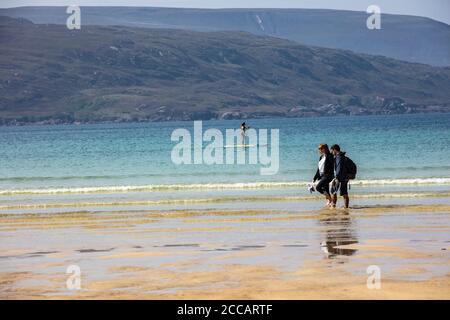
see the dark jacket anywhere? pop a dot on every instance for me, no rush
(340, 171)
(329, 167)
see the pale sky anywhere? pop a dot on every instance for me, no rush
(435, 9)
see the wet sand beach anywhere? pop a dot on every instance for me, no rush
(287, 249)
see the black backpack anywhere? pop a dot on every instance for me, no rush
(351, 168)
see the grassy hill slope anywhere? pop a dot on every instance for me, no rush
(48, 73)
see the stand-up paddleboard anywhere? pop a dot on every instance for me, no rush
(244, 145)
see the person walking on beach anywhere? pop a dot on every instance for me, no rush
(324, 173)
(340, 181)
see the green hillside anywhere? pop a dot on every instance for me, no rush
(51, 74)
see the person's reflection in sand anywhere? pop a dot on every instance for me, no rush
(338, 230)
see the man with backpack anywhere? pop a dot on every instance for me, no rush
(344, 170)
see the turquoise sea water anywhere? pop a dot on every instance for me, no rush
(139, 154)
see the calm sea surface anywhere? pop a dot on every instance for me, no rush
(387, 149)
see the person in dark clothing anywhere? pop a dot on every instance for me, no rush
(324, 173)
(244, 128)
(340, 175)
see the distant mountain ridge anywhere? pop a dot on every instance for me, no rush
(408, 38)
(49, 74)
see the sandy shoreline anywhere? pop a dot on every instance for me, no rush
(219, 253)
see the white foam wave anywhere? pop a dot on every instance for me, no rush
(215, 186)
(212, 200)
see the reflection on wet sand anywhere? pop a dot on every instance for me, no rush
(338, 229)
(245, 253)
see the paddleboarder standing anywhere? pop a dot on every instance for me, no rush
(244, 128)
